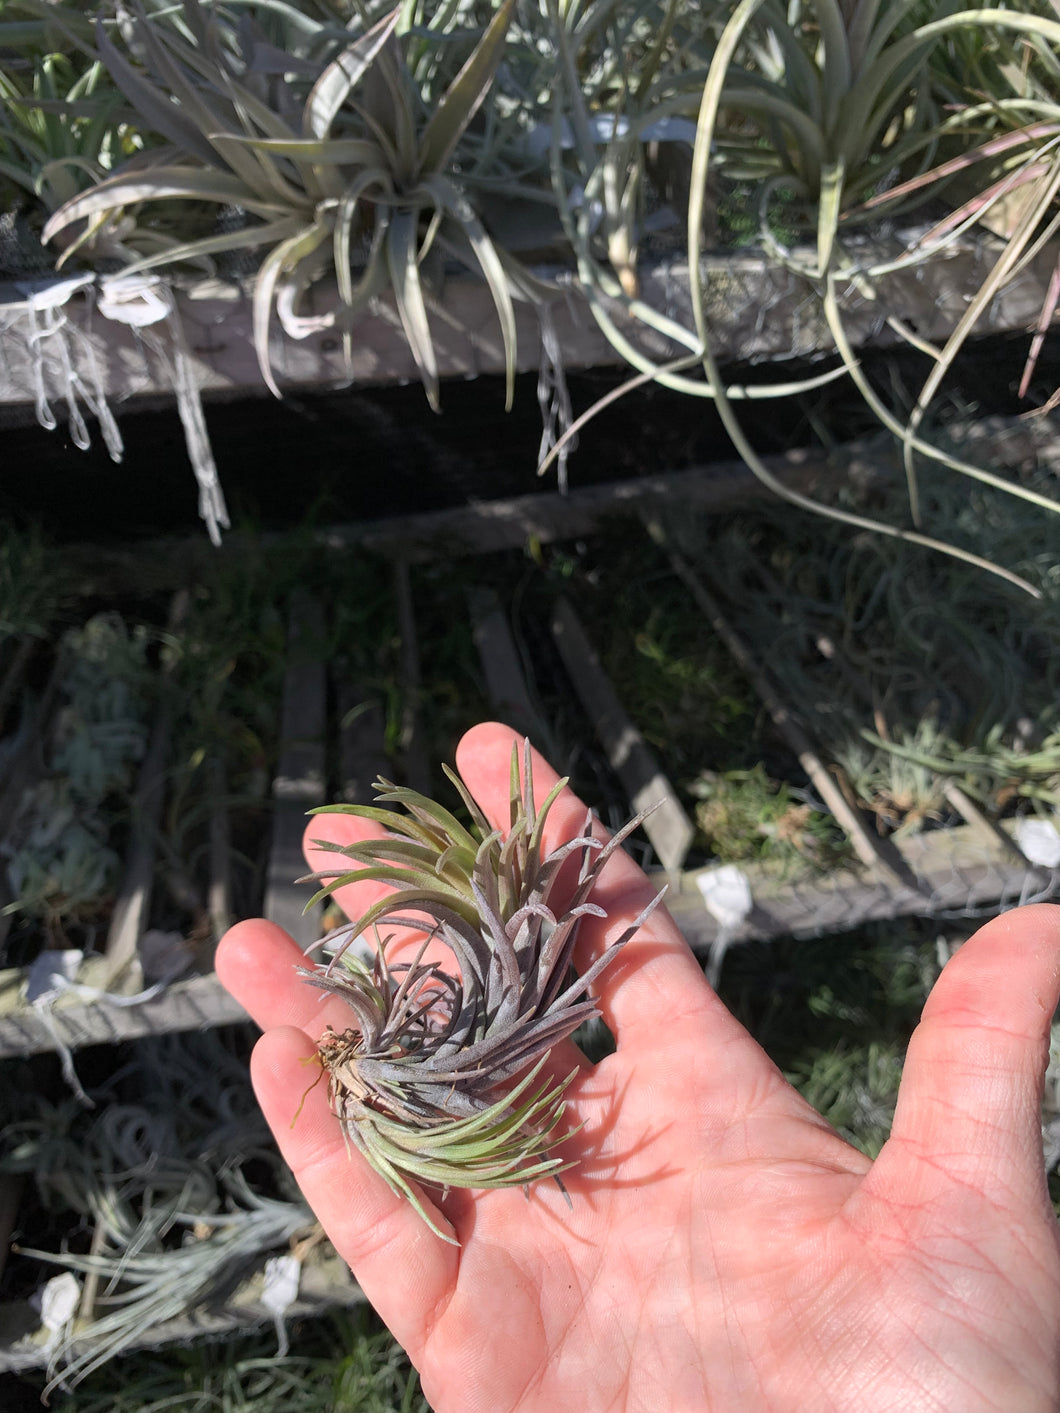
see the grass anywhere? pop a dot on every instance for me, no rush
(690, 701)
(676, 682)
(836, 1013)
(910, 671)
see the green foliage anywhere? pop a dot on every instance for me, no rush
(33, 585)
(62, 128)
(908, 672)
(742, 814)
(452, 691)
(675, 678)
(64, 869)
(345, 1363)
(226, 665)
(836, 1015)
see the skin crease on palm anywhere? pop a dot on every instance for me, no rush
(726, 1250)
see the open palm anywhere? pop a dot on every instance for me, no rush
(725, 1248)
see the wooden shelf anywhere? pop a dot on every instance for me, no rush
(756, 309)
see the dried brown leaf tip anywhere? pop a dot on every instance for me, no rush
(440, 1076)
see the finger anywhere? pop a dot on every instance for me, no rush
(257, 962)
(655, 982)
(969, 1108)
(404, 1268)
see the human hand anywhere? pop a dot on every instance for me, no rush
(726, 1250)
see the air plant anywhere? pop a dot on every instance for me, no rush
(913, 674)
(56, 855)
(823, 106)
(341, 171)
(346, 1361)
(422, 1079)
(62, 127)
(743, 814)
(166, 1185)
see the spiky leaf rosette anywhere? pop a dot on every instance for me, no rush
(441, 1075)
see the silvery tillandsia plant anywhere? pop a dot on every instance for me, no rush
(339, 163)
(441, 1075)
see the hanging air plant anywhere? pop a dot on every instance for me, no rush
(441, 1075)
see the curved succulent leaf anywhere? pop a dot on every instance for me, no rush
(151, 103)
(402, 252)
(462, 99)
(281, 259)
(156, 184)
(342, 76)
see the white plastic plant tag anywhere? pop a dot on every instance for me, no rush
(58, 1300)
(51, 974)
(726, 895)
(52, 294)
(134, 299)
(282, 1277)
(1039, 842)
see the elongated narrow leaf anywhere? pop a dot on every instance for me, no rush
(466, 225)
(281, 259)
(269, 233)
(158, 184)
(342, 76)
(373, 277)
(402, 249)
(462, 99)
(332, 151)
(158, 111)
(208, 119)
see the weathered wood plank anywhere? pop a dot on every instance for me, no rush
(299, 783)
(956, 871)
(668, 826)
(131, 915)
(362, 759)
(505, 680)
(756, 309)
(987, 829)
(196, 1003)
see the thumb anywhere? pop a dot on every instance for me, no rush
(969, 1108)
